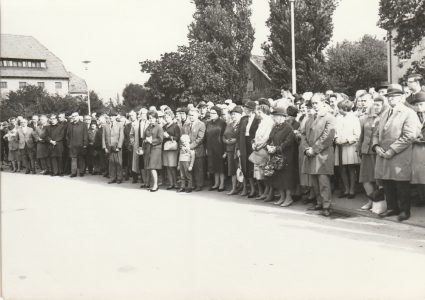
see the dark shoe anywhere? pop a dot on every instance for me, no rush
(198, 189)
(389, 213)
(351, 196)
(82, 175)
(344, 195)
(73, 175)
(212, 188)
(326, 212)
(134, 180)
(119, 181)
(180, 190)
(296, 197)
(220, 190)
(309, 200)
(251, 195)
(112, 181)
(153, 190)
(33, 171)
(27, 171)
(106, 175)
(143, 186)
(403, 216)
(170, 187)
(188, 190)
(315, 207)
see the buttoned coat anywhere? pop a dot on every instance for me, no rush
(418, 161)
(56, 133)
(196, 132)
(396, 132)
(42, 143)
(319, 135)
(113, 136)
(76, 138)
(27, 138)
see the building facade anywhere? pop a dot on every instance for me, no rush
(25, 61)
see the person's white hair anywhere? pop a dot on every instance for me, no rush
(307, 96)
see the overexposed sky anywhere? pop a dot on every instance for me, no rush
(117, 35)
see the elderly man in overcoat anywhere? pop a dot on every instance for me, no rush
(112, 142)
(398, 127)
(27, 145)
(77, 139)
(196, 131)
(317, 145)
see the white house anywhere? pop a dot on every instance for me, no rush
(24, 61)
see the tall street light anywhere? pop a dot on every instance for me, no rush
(294, 73)
(86, 63)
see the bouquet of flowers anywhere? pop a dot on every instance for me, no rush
(275, 163)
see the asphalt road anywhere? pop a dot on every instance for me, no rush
(81, 238)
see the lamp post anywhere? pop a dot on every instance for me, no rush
(294, 73)
(86, 63)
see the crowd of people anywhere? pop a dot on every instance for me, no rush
(300, 146)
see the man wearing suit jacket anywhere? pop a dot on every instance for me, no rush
(27, 145)
(77, 140)
(196, 131)
(399, 126)
(112, 142)
(319, 153)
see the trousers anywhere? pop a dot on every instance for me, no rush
(397, 195)
(199, 172)
(78, 165)
(322, 188)
(57, 165)
(115, 165)
(185, 175)
(28, 156)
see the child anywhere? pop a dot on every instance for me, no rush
(13, 139)
(186, 160)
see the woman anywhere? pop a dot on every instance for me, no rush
(283, 142)
(215, 147)
(369, 126)
(170, 148)
(14, 156)
(153, 148)
(347, 135)
(260, 154)
(41, 133)
(230, 138)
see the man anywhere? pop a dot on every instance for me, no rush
(128, 146)
(398, 128)
(56, 138)
(139, 140)
(77, 139)
(381, 89)
(181, 116)
(414, 85)
(100, 165)
(317, 145)
(66, 161)
(196, 131)
(27, 145)
(34, 122)
(418, 151)
(113, 139)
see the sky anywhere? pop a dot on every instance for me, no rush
(116, 35)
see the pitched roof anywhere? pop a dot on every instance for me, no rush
(27, 47)
(258, 62)
(77, 85)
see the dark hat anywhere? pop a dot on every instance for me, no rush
(237, 109)
(379, 99)
(182, 109)
(279, 111)
(418, 97)
(263, 101)
(382, 85)
(417, 77)
(217, 109)
(93, 122)
(202, 104)
(394, 89)
(251, 105)
(292, 111)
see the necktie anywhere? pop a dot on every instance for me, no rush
(390, 113)
(421, 117)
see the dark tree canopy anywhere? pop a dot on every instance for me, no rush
(135, 95)
(357, 65)
(313, 31)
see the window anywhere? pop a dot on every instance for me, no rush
(43, 64)
(20, 64)
(40, 84)
(14, 63)
(3, 85)
(58, 85)
(22, 84)
(25, 64)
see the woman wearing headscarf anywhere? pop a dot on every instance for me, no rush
(170, 148)
(215, 147)
(230, 139)
(153, 148)
(283, 142)
(369, 124)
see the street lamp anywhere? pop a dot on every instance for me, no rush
(86, 63)
(294, 73)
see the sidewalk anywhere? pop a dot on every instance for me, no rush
(352, 206)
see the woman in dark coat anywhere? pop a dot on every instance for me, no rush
(41, 134)
(283, 141)
(153, 148)
(215, 147)
(247, 129)
(230, 139)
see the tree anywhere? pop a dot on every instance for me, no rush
(357, 65)
(313, 31)
(135, 95)
(405, 22)
(226, 26)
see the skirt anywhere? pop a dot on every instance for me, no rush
(232, 163)
(153, 158)
(367, 168)
(169, 158)
(14, 155)
(348, 154)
